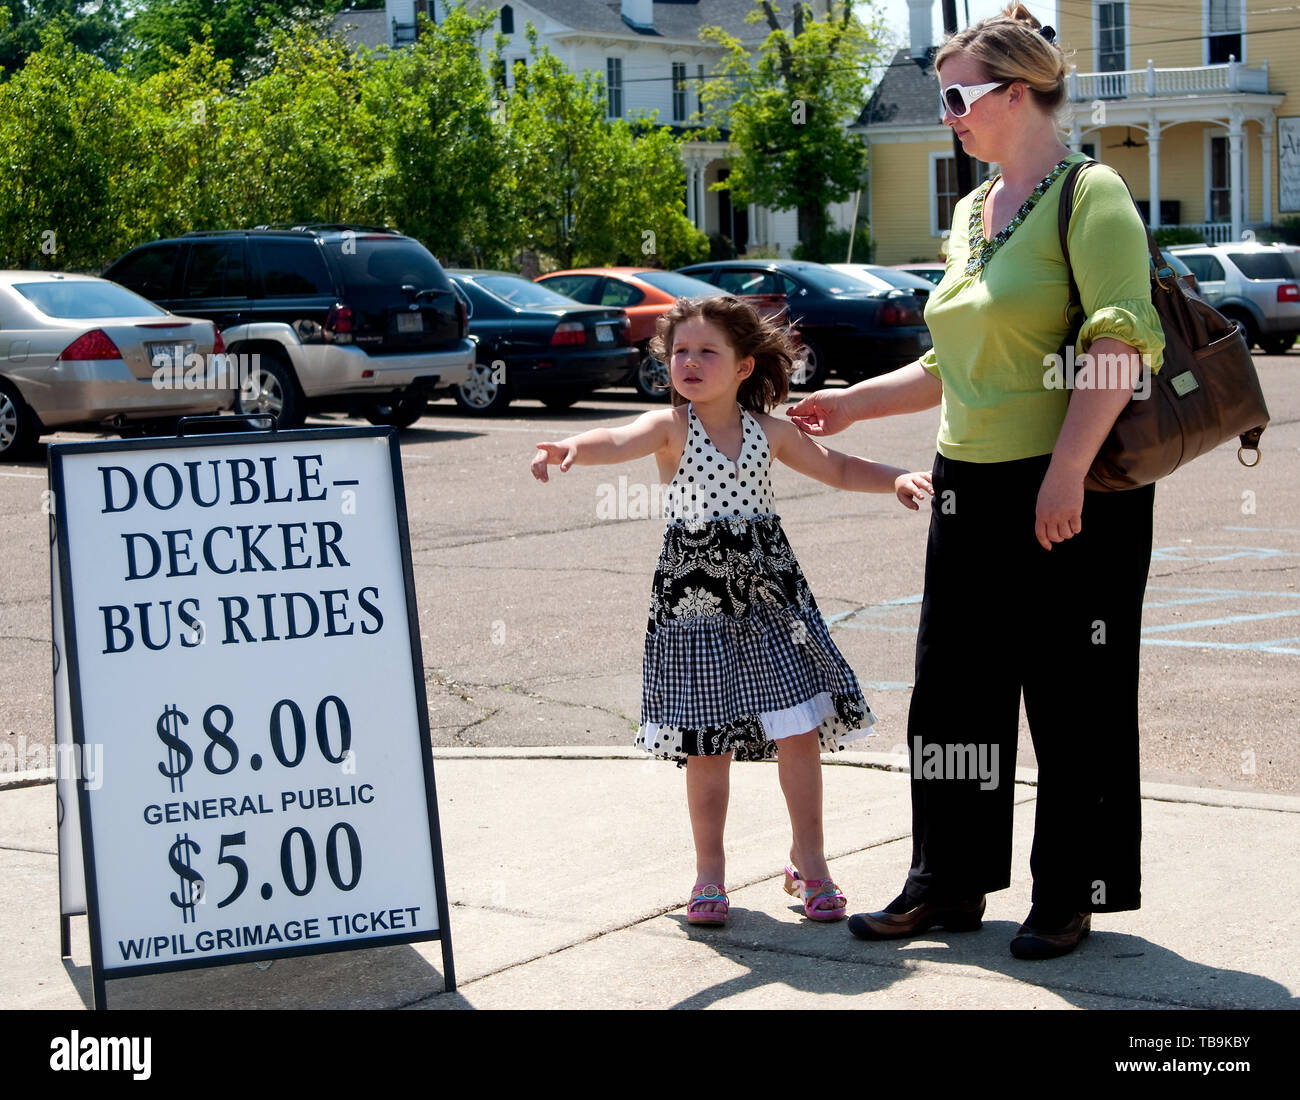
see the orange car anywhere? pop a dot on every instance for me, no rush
(645, 294)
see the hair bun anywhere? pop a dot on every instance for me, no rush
(1022, 14)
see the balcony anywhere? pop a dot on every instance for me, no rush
(1153, 82)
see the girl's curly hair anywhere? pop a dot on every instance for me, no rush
(772, 346)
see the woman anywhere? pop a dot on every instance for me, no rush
(1031, 583)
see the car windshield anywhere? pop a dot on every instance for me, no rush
(833, 281)
(82, 299)
(680, 286)
(517, 291)
(1262, 265)
(374, 261)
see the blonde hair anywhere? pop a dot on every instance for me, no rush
(1010, 47)
(748, 333)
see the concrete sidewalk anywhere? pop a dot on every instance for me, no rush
(568, 872)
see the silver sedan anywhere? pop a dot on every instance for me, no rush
(79, 351)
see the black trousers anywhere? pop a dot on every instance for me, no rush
(1002, 616)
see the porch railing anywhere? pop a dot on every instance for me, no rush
(1200, 80)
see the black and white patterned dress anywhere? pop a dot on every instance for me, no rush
(737, 655)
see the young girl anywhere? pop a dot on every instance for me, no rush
(738, 661)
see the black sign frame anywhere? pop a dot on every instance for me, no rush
(61, 546)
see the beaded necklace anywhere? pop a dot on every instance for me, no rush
(981, 251)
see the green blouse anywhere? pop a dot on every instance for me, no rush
(995, 322)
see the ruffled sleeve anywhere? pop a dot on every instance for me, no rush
(1108, 252)
(930, 362)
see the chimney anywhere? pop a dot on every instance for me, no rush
(921, 32)
(639, 14)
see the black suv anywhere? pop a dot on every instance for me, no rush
(320, 316)
(847, 326)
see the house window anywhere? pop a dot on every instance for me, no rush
(1112, 52)
(614, 86)
(1220, 181)
(507, 20)
(699, 88)
(679, 91)
(514, 70)
(943, 187)
(1223, 31)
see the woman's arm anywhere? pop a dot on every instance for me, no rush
(908, 389)
(1088, 421)
(648, 433)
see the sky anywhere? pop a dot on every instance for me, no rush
(898, 17)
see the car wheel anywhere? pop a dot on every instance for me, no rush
(479, 394)
(810, 367)
(562, 399)
(1249, 329)
(651, 378)
(399, 412)
(18, 431)
(272, 389)
(1276, 345)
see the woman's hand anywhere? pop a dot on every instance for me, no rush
(913, 489)
(551, 454)
(822, 413)
(1060, 506)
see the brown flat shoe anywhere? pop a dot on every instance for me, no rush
(961, 916)
(1048, 943)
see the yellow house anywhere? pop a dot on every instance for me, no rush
(1196, 102)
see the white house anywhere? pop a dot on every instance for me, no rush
(652, 59)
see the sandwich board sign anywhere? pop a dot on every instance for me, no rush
(237, 652)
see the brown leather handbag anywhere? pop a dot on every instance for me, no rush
(1205, 392)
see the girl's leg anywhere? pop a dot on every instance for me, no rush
(799, 765)
(708, 786)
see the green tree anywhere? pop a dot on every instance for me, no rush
(239, 29)
(584, 189)
(787, 110)
(59, 117)
(93, 27)
(438, 158)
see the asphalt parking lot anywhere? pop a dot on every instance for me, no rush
(533, 597)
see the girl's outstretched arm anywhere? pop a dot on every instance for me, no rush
(860, 475)
(648, 433)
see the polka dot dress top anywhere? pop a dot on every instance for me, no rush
(708, 485)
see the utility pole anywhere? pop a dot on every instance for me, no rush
(965, 166)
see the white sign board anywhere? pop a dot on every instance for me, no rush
(1288, 164)
(241, 641)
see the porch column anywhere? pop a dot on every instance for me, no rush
(1153, 170)
(700, 209)
(690, 194)
(1266, 181)
(1235, 196)
(1076, 133)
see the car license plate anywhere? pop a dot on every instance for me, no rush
(171, 356)
(410, 322)
(604, 334)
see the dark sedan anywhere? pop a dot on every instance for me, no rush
(848, 327)
(535, 343)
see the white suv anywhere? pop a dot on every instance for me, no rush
(1255, 284)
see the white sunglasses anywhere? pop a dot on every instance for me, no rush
(957, 98)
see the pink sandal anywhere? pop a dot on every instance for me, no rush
(704, 893)
(817, 895)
